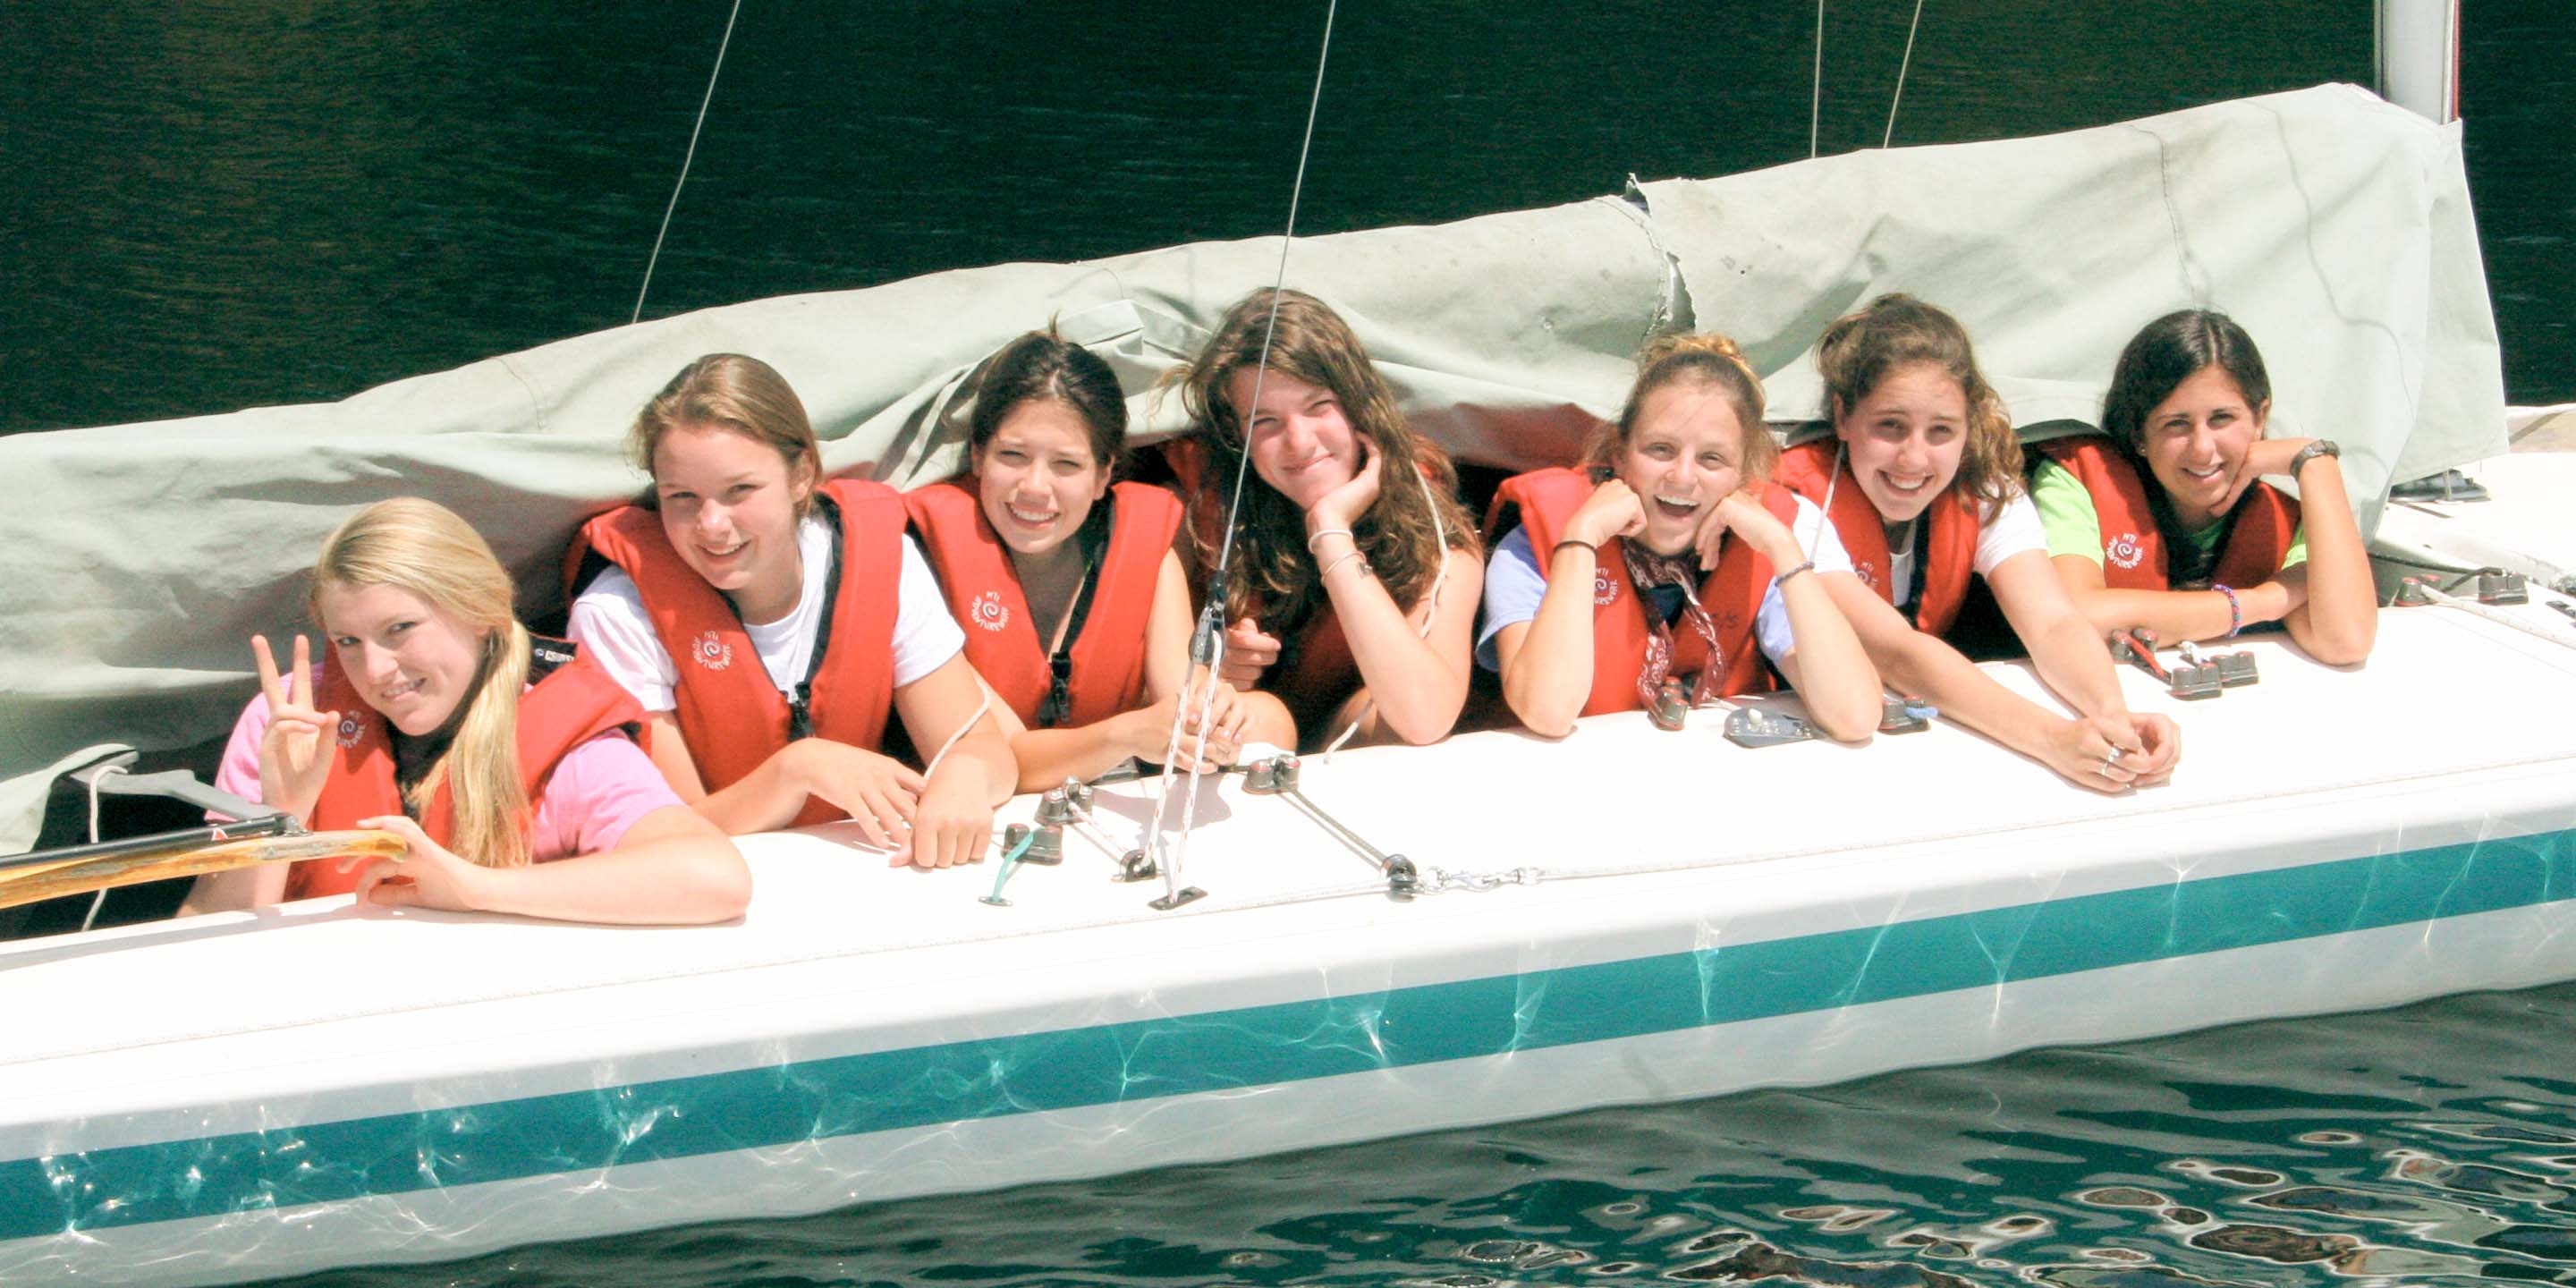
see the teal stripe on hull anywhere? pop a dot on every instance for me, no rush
(581, 1132)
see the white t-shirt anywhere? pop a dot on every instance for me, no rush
(610, 624)
(2014, 529)
(1514, 586)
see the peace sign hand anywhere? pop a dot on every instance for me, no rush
(295, 750)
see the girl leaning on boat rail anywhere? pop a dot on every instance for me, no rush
(1074, 603)
(422, 720)
(1922, 480)
(2163, 521)
(769, 621)
(1671, 556)
(1351, 593)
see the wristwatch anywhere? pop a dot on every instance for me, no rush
(2320, 447)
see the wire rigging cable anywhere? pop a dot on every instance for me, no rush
(1816, 84)
(694, 131)
(1211, 625)
(1901, 69)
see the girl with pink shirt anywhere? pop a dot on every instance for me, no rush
(505, 764)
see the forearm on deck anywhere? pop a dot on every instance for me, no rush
(1419, 691)
(1547, 679)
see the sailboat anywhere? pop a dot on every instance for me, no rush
(1386, 941)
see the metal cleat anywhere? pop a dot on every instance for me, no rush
(2191, 683)
(1046, 842)
(2235, 670)
(1137, 865)
(2496, 586)
(1905, 715)
(2138, 649)
(1755, 727)
(1271, 776)
(1671, 708)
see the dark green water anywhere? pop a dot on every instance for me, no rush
(2430, 1145)
(225, 203)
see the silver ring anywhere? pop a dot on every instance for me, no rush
(2110, 758)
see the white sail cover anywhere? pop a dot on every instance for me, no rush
(2336, 227)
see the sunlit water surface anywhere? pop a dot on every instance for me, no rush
(2430, 1145)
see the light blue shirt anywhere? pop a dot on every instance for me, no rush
(1514, 586)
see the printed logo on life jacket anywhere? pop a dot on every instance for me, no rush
(1867, 571)
(351, 731)
(989, 612)
(712, 652)
(1605, 588)
(2124, 550)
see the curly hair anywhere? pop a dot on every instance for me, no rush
(1896, 331)
(1274, 577)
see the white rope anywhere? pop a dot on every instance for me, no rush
(1901, 69)
(1234, 507)
(982, 709)
(694, 130)
(1816, 85)
(2498, 615)
(99, 900)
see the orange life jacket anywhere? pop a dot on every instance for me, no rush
(2263, 526)
(1546, 499)
(983, 589)
(1948, 559)
(568, 706)
(732, 717)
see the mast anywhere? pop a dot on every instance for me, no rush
(2419, 57)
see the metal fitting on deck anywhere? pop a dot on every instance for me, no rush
(1271, 776)
(1671, 708)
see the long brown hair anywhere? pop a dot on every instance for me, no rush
(1274, 578)
(1705, 360)
(1897, 330)
(423, 548)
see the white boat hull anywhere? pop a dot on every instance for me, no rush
(254, 1095)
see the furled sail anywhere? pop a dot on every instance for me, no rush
(2336, 227)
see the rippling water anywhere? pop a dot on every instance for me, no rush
(214, 205)
(2432, 1144)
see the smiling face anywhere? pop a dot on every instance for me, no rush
(411, 662)
(1904, 439)
(2195, 441)
(1037, 477)
(1685, 454)
(1300, 442)
(729, 504)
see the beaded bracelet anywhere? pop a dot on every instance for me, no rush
(1313, 537)
(2235, 611)
(1783, 579)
